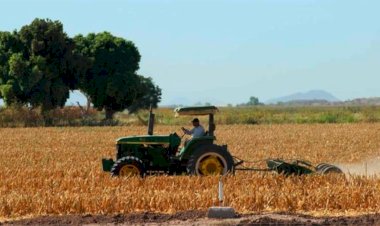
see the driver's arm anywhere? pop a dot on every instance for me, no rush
(189, 132)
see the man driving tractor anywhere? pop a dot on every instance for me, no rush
(197, 131)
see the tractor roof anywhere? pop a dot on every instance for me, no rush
(204, 110)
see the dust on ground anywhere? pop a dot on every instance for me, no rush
(368, 167)
(197, 218)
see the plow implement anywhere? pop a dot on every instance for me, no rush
(286, 167)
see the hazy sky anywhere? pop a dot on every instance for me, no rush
(227, 51)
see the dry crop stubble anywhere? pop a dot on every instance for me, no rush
(58, 171)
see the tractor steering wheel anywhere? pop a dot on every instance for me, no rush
(183, 133)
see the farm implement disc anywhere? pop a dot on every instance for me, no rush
(289, 167)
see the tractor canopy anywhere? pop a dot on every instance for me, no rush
(204, 110)
(172, 140)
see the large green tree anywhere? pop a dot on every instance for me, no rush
(111, 81)
(37, 65)
(40, 64)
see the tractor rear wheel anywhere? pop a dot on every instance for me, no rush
(210, 160)
(128, 166)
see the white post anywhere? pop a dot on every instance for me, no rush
(221, 211)
(220, 192)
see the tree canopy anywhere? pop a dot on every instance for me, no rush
(35, 65)
(253, 101)
(149, 95)
(40, 64)
(111, 80)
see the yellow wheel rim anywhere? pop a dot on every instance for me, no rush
(129, 170)
(211, 166)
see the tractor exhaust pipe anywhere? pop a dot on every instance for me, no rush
(151, 121)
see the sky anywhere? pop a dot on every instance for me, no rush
(226, 51)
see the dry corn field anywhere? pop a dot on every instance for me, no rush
(55, 171)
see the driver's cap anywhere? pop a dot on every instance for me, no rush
(195, 120)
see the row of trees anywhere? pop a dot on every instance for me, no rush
(40, 64)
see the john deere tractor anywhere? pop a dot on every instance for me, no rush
(139, 155)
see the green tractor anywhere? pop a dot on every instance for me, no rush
(147, 154)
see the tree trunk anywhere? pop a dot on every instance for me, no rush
(46, 115)
(82, 111)
(109, 113)
(88, 103)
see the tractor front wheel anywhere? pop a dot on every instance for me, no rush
(128, 166)
(210, 160)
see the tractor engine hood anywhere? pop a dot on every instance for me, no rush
(172, 139)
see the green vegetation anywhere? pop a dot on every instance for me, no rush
(270, 115)
(75, 116)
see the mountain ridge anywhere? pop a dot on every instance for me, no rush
(305, 96)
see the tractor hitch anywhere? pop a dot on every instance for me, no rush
(239, 165)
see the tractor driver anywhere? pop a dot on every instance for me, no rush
(197, 131)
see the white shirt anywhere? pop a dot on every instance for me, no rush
(198, 131)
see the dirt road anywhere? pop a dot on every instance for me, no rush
(196, 218)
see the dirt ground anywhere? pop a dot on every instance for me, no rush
(196, 218)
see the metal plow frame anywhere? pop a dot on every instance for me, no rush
(287, 167)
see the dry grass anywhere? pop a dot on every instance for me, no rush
(58, 171)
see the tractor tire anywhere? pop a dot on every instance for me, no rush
(128, 166)
(325, 168)
(210, 160)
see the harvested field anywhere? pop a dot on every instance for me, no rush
(55, 171)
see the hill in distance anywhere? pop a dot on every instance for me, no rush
(307, 96)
